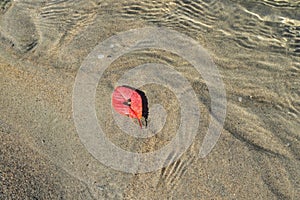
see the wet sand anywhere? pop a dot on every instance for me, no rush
(42, 45)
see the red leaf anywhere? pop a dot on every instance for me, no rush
(127, 101)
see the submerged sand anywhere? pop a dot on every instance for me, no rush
(255, 46)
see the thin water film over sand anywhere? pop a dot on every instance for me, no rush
(255, 46)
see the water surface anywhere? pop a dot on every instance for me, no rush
(256, 47)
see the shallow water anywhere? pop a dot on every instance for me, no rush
(254, 44)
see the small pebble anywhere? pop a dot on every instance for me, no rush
(100, 56)
(240, 99)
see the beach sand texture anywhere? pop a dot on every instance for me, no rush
(256, 47)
